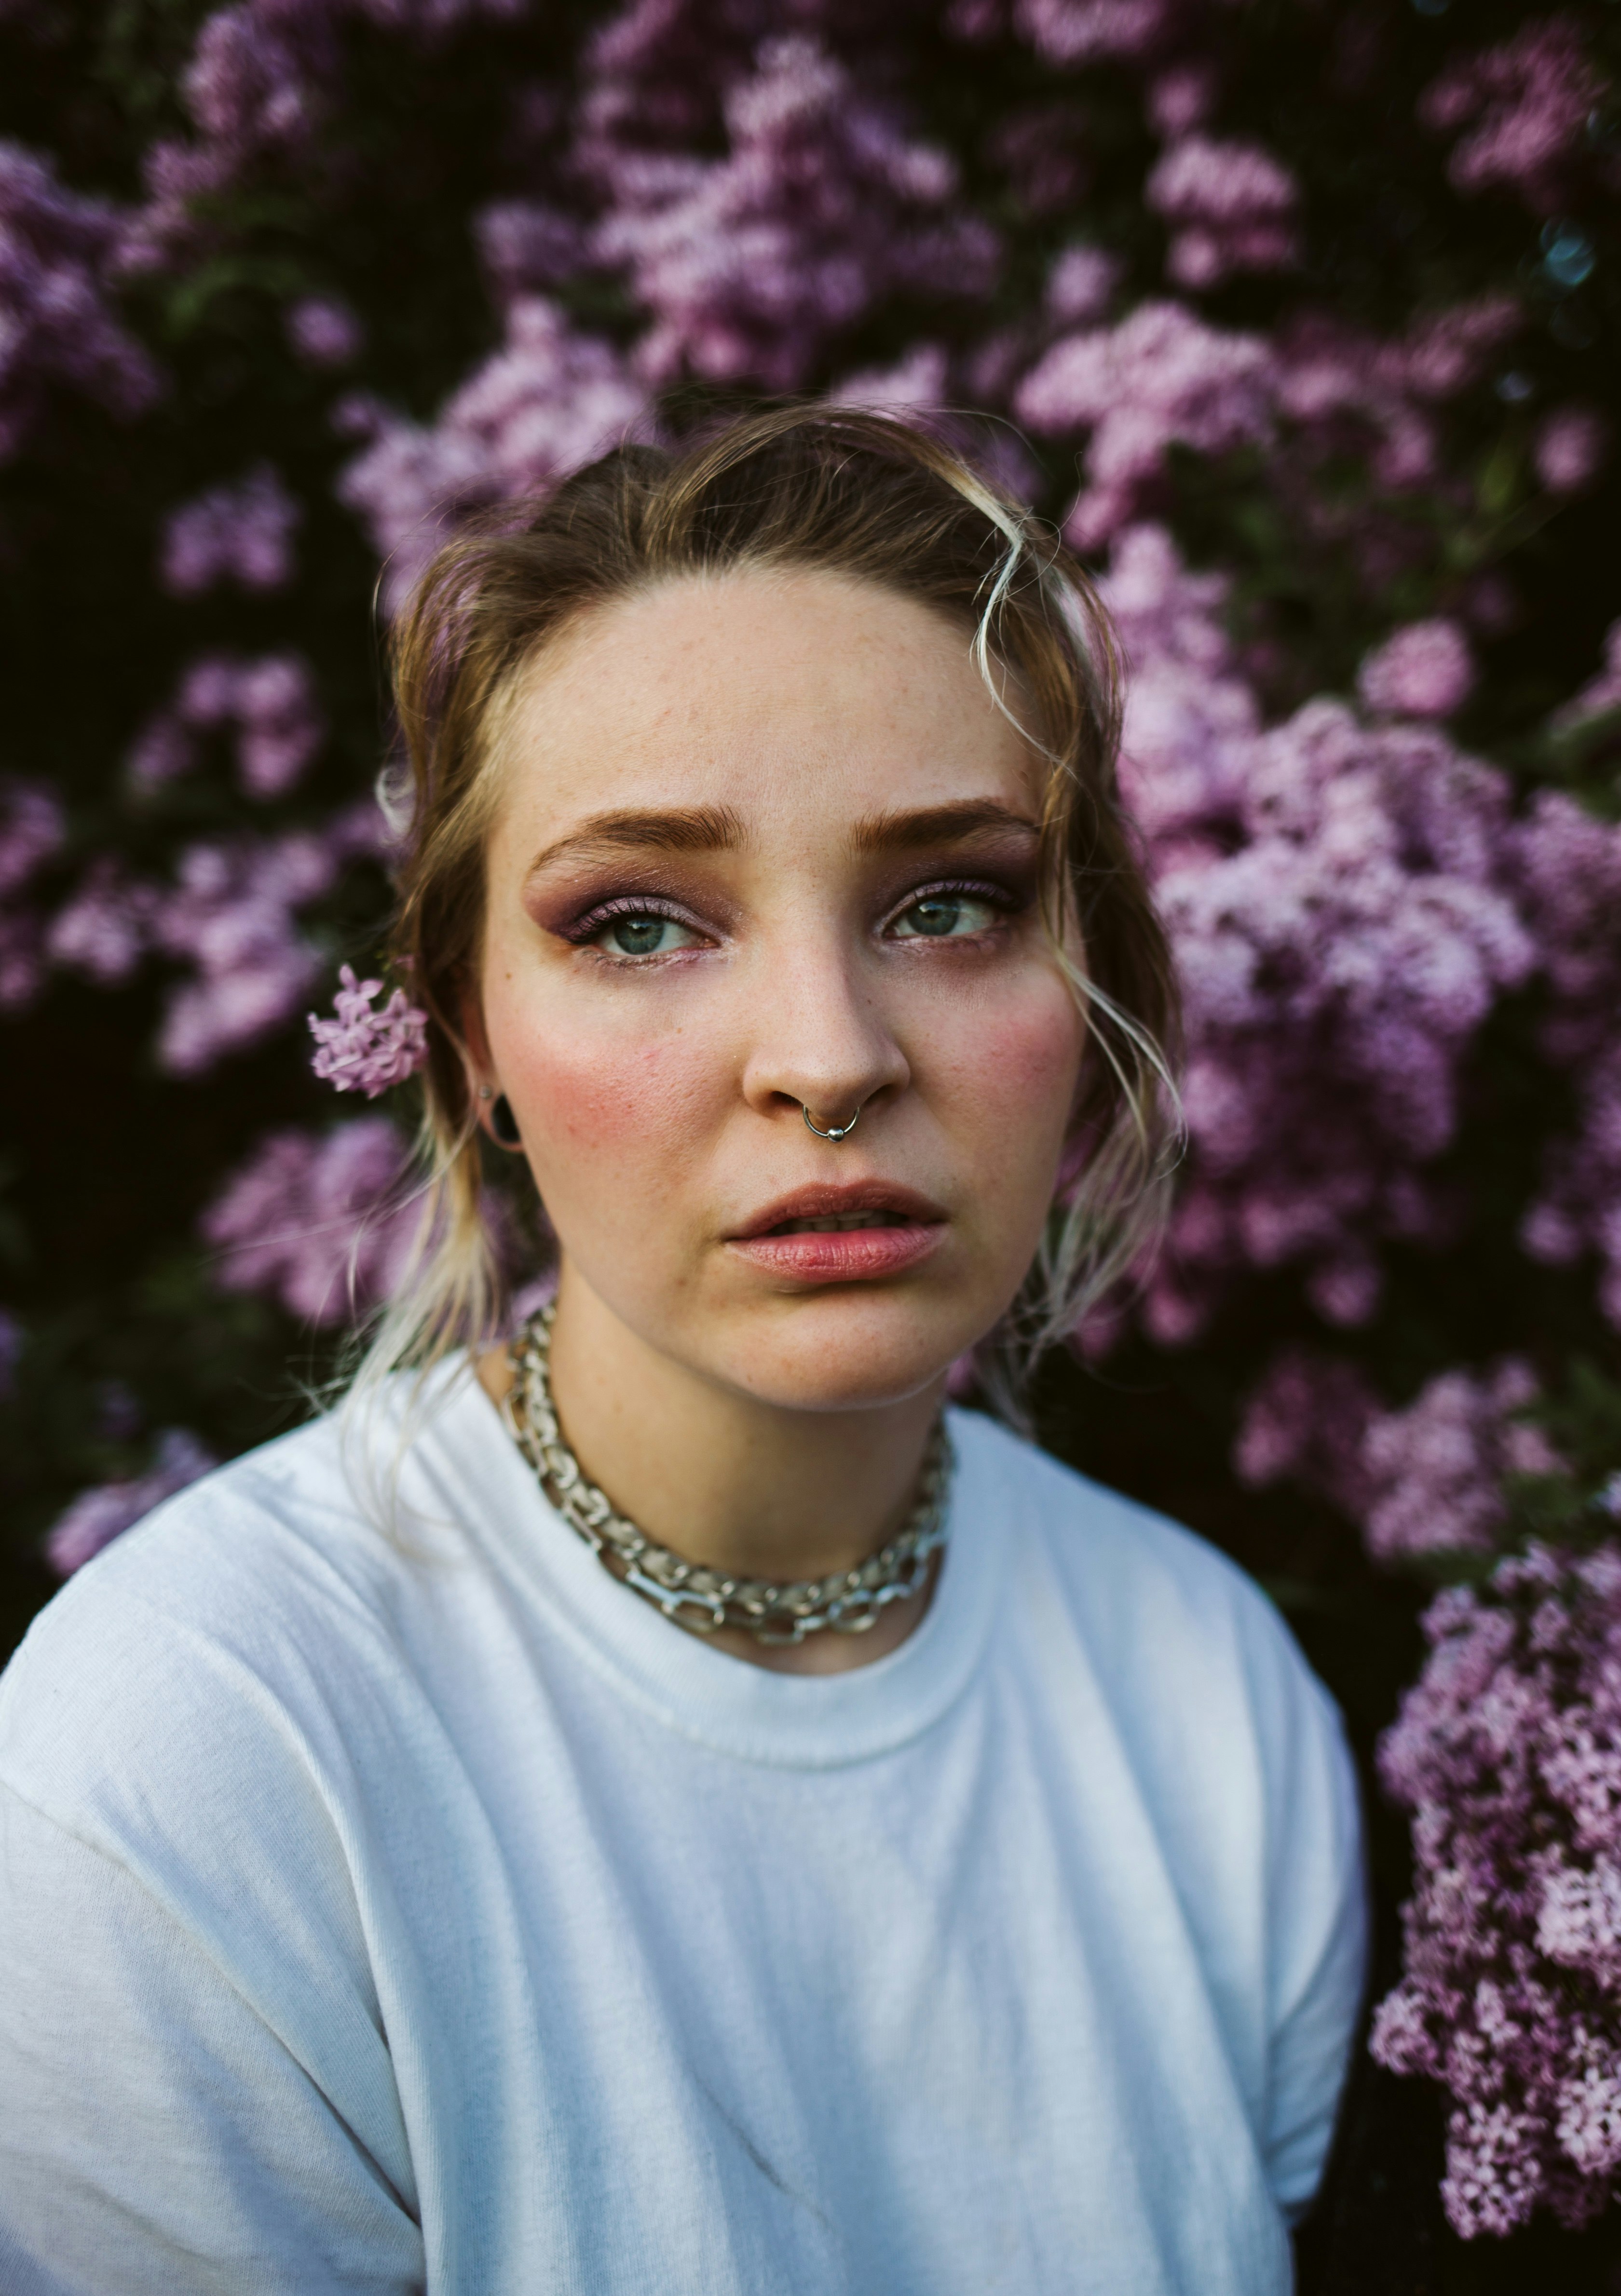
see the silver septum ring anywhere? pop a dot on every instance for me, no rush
(838, 1131)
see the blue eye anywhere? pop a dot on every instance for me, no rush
(643, 932)
(940, 916)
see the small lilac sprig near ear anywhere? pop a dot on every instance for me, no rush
(364, 1051)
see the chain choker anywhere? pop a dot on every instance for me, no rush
(849, 1602)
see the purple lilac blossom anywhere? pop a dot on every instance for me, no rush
(1230, 207)
(241, 533)
(1570, 448)
(230, 917)
(103, 929)
(1332, 897)
(98, 1516)
(269, 705)
(1423, 670)
(545, 402)
(1081, 285)
(1305, 1421)
(1181, 99)
(1567, 868)
(1041, 150)
(60, 330)
(823, 207)
(1337, 963)
(529, 248)
(32, 831)
(1342, 390)
(1529, 102)
(318, 1221)
(1435, 1471)
(366, 1051)
(262, 76)
(917, 383)
(1508, 1753)
(1159, 379)
(1092, 31)
(324, 331)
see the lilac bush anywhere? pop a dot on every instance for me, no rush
(1508, 1753)
(1302, 326)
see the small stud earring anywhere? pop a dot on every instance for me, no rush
(484, 1092)
(504, 1124)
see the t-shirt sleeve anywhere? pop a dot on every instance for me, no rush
(1318, 1921)
(157, 2137)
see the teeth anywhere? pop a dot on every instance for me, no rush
(839, 1224)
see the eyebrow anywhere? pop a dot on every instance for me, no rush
(698, 829)
(718, 829)
(936, 824)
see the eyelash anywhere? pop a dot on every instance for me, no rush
(1005, 903)
(584, 930)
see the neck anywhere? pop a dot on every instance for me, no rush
(748, 1488)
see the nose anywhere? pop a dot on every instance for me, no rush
(820, 1041)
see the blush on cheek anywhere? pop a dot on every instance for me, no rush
(1019, 1063)
(627, 1101)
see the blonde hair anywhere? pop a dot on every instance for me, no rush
(846, 491)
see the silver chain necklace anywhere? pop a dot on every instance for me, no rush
(849, 1602)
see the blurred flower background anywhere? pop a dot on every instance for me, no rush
(1302, 318)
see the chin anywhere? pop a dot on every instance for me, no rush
(844, 1355)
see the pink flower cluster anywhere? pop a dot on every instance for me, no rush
(324, 331)
(1570, 448)
(823, 207)
(56, 258)
(1095, 31)
(1425, 1481)
(1306, 1422)
(32, 831)
(270, 706)
(1568, 865)
(241, 533)
(1423, 670)
(98, 1516)
(1527, 104)
(368, 1051)
(1231, 208)
(230, 917)
(1161, 378)
(1508, 1753)
(1332, 892)
(262, 75)
(1437, 1470)
(546, 401)
(320, 1221)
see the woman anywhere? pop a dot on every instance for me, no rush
(899, 1864)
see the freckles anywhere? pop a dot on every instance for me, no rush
(625, 1100)
(1021, 1052)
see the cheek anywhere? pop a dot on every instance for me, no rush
(1013, 1065)
(593, 1099)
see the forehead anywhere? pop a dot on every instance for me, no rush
(773, 692)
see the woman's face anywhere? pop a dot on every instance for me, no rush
(764, 844)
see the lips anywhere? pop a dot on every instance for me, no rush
(849, 1235)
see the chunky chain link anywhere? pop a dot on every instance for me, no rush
(849, 1602)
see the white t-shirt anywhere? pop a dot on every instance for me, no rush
(436, 1915)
